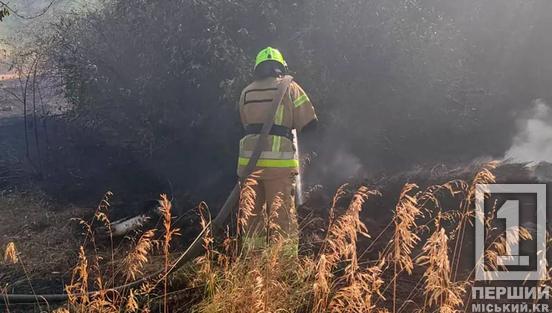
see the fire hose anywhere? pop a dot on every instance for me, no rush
(195, 249)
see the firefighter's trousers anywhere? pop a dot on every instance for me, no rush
(274, 212)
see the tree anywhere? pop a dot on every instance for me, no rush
(6, 10)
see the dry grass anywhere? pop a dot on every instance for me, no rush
(44, 237)
(92, 271)
(134, 262)
(404, 236)
(424, 243)
(247, 205)
(336, 293)
(440, 290)
(334, 280)
(10, 255)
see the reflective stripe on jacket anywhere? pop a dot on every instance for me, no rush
(295, 111)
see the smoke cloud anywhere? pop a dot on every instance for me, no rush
(396, 85)
(533, 142)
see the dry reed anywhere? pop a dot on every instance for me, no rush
(10, 255)
(335, 280)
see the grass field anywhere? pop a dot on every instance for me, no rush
(411, 263)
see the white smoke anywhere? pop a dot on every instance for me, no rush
(533, 142)
(343, 166)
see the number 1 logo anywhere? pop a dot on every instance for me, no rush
(509, 211)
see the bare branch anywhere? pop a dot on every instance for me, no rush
(16, 13)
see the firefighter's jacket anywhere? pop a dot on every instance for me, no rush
(279, 158)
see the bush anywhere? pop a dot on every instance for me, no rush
(162, 78)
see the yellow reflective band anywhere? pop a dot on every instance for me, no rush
(297, 103)
(284, 155)
(279, 115)
(276, 143)
(270, 163)
(278, 119)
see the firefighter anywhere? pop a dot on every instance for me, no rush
(278, 164)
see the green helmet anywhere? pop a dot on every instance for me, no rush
(270, 54)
